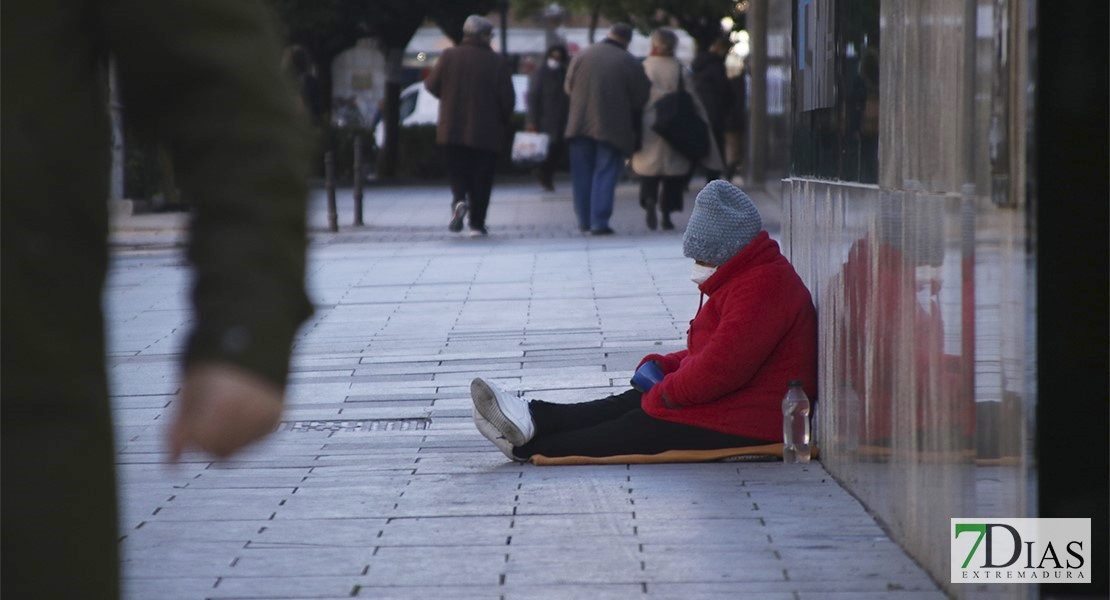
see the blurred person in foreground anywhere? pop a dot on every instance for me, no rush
(755, 331)
(475, 89)
(608, 90)
(547, 109)
(659, 165)
(203, 78)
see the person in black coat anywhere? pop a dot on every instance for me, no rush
(711, 81)
(736, 124)
(547, 109)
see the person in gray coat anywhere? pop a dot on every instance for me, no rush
(608, 89)
(475, 89)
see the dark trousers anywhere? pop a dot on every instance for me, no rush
(470, 171)
(671, 199)
(719, 137)
(613, 426)
(555, 151)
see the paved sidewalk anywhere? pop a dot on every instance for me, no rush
(377, 485)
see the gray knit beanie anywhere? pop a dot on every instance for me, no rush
(723, 221)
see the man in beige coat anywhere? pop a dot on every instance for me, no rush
(608, 90)
(657, 163)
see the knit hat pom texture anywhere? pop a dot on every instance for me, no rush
(723, 221)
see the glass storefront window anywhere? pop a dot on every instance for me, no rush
(836, 96)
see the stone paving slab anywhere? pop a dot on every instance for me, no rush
(377, 485)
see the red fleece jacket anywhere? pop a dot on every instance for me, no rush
(756, 332)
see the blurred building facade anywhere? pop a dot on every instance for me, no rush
(909, 211)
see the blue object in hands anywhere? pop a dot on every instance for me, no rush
(647, 376)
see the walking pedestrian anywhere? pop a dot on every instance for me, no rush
(736, 124)
(547, 109)
(756, 331)
(475, 89)
(203, 78)
(301, 69)
(608, 90)
(714, 91)
(657, 163)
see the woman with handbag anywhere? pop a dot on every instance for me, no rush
(659, 163)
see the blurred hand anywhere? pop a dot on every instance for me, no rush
(221, 409)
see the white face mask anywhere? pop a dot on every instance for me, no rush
(552, 63)
(702, 273)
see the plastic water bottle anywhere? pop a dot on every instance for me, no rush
(795, 424)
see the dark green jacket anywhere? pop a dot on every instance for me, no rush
(200, 76)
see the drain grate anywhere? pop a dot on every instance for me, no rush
(369, 425)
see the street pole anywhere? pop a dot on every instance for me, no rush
(357, 168)
(329, 185)
(504, 28)
(115, 110)
(757, 102)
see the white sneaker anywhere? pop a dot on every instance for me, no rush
(507, 414)
(492, 434)
(458, 211)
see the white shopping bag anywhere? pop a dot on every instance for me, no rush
(529, 148)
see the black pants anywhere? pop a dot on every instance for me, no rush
(718, 137)
(555, 151)
(671, 200)
(615, 425)
(470, 171)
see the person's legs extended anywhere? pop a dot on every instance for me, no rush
(608, 164)
(627, 432)
(611, 426)
(582, 158)
(551, 418)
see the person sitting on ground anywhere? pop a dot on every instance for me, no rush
(756, 331)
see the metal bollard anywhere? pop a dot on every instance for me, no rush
(329, 185)
(358, 180)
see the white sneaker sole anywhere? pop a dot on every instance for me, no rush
(509, 417)
(457, 215)
(492, 434)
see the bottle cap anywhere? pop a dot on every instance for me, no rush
(796, 382)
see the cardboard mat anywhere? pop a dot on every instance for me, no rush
(768, 452)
